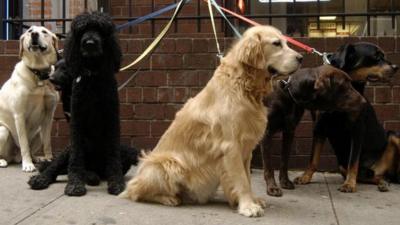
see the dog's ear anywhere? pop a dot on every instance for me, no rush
(55, 42)
(21, 45)
(250, 52)
(328, 78)
(344, 57)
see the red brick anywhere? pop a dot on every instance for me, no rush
(183, 78)
(59, 113)
(135, 46)
(383, 95)
(134, 94)
(203, 61)
(183, 45)
(194, 91)
(387, 112)
(63, 128)
(180, 94)
(204, 76)
(387, 44)
(170, 111)
(304, 129)
(136, 128)
(149, 94)
(392, 125)
(369, 94)
(332, 44)
(159, 127)
(1, 47)
(11, 47)
(166, 46)
(59, 143)
(145, 143)
(151, 78)
(125, 111)
(396, 94)
(165, 95)
(166, 61)
(200, 45)
(149, 111)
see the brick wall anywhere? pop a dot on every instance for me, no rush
(180, 67)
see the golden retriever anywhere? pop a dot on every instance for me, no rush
(28, 100)
(210, 142)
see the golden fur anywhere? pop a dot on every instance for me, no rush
(210, 142)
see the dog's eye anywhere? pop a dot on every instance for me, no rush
(277, 43)
(30, 30)
(44, 32)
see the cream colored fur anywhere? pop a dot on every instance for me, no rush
(26, 105)
(211, 140)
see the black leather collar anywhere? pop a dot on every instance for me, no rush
(41, 74)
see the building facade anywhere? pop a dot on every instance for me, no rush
(186, 58)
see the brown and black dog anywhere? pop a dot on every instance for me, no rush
(322, 88)
(364, 151)
(363, 61)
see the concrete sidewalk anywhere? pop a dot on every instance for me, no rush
(314, 204)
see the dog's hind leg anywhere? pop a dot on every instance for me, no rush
(5, 146)
(49, 174)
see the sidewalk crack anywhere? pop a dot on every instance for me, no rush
(331, 199)
(37, 210)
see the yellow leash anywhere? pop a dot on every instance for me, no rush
(157, 40)
(220, 55)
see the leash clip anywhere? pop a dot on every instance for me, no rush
(324, 56)
(220, 55)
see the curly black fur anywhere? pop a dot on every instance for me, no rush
(92, 57)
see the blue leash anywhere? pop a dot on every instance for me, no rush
(148, 16)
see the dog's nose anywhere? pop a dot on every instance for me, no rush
(299, 58)
(395, 67)
(34, 35)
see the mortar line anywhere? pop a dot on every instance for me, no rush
(37, 210)
(331, 200)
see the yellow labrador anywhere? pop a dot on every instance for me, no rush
(211, 140)
(28, 100)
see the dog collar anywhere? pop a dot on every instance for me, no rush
(41, 75)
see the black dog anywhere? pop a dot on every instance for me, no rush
(366, 66)
(369, 153)
(50, 170)
(92, 57)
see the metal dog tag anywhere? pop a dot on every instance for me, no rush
(40, 83)
(78, 79)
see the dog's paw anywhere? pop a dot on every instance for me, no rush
(39, 182)
(3, 163)
(304, 179)
(286, 183)
(347, 188)
(75, 189)
(275, 191)
(251, 210)
(28, 167)
(92, 178)
(260, 201)
(383, 186)
(170, 200)
(40, 159)
(116, 188)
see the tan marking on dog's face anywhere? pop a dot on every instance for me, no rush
(47, 42)
(374, 73)
(264, 47)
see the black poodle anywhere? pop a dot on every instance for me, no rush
(92, 57)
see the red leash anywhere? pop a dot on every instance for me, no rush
(289, 39)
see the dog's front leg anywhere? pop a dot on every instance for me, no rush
(358, 133)
(236, 185)
(76, 168)
(51, 102)
(20, 124)
(115, 178)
